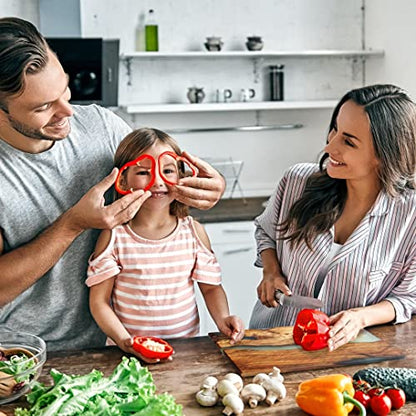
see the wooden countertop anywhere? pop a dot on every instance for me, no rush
(198, 357)
(234, 209)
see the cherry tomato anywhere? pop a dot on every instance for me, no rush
(375, 391)
(361, 385)
(397, 397)
(363, 398)
(381, 404)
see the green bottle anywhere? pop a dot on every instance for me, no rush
(151, 30)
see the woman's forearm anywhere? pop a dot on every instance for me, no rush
(380, 313)
(270, 263)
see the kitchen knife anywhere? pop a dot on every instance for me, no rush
(297, 301)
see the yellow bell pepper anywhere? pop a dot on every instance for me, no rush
(328, 395)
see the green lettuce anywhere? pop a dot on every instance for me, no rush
(128, 391)
(19, 366)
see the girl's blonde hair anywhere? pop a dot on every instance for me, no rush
(135, 144)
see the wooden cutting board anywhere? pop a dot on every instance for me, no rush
(261, 349)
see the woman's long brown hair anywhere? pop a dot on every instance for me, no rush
(392, 116)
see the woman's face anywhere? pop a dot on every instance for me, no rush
(350, 146)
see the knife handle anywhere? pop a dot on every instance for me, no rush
(279, 296)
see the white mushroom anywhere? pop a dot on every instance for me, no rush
(225, 387)
(209, 382)
(207, 397)
(275, 390)
(260, 378)
(252, 394)
(235, 379)
(276, 374)
(233, 404)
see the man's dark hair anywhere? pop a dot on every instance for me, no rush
(23, 50)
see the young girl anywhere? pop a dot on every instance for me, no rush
(142, 273)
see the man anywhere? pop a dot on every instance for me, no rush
(53, 159)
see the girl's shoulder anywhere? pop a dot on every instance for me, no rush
(198, 231)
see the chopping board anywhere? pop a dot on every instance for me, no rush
(262, 349)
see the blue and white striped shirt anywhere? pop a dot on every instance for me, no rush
(377, 262)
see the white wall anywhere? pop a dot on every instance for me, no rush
(390, 25)
(26, 9)
(283, 24)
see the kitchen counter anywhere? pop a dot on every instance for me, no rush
(231, 209)
(198, 357)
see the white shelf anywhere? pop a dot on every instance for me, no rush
(211, 107)
(256, 54)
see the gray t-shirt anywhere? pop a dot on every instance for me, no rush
(35, 189)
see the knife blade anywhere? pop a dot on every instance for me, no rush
(297, 301)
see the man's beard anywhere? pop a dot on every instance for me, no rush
(30, 132)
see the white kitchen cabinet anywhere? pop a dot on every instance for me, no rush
(235, 248)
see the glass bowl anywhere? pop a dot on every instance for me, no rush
(22, 356)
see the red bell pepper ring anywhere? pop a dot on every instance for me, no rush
(139, 345)
(311, 330)
(177, 158)
(132, 163)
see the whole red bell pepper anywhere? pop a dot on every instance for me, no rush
(311, 330)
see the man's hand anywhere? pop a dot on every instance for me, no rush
(203, 191)
(90, 211)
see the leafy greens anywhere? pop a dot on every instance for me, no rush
(128, 391)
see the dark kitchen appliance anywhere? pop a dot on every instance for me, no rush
(92, 66)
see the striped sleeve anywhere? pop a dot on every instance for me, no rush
(207, 269)
(103, 266)
(289, 189)
(403, 296)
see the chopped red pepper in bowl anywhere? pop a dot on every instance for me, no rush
(152, 347)
(311, 330)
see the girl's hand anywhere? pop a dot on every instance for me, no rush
(127, 346)
(268, 286)
(232, 327)
(203, 191)
(345, 327)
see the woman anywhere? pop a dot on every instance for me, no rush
(345, 231)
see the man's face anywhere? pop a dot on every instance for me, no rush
(42, 111)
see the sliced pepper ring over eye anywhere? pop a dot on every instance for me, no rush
(152, 347)
(311, 330)
(117, 184)
(189, 169)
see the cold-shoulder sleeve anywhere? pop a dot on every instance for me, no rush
(207, 269)
(104, 266)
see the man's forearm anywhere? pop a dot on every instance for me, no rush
(23, 266)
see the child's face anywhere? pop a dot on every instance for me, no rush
(138, 177)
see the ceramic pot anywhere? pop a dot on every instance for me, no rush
(214, 43)
(195, 95)
(254, 43)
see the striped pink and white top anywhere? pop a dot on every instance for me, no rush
(154, 289)
(377, 262)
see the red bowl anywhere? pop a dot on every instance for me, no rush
(149, 353)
